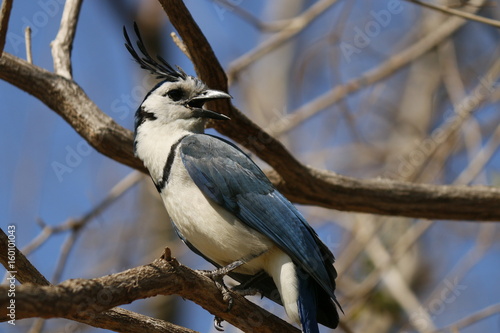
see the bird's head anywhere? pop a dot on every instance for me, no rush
(178, 98)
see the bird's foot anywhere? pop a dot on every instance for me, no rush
(217, 276)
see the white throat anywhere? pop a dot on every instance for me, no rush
(154, 140)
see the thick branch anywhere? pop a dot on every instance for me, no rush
(308, 186)
(79, 298)
(88, 311)
(299, 183)
(124, 321)
(240, 128)
(25, 271)
(69, 101)
(119, 320)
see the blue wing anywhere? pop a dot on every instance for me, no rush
(230, 178)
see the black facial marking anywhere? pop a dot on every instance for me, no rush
(142, 115)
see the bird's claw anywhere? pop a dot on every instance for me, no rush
(218, 277)
(226, 293)
(218, 324)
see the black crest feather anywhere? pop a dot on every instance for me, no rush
(160, 68)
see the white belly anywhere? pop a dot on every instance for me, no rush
(211, 229)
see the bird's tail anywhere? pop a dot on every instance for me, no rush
(307, 303)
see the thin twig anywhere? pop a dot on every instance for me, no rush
(27, 37)
(484, 240)
(66, 248)
(392, 277)
(473, 318)
(459, 13)
(4, 22)
(37, 325)
(63, 44)
(178, 41)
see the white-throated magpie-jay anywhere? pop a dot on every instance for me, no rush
(223, 206)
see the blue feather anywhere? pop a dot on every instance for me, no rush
(307, 304)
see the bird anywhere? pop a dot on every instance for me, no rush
(222, 205)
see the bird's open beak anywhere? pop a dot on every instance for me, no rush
(198, 101)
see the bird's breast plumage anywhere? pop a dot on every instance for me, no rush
(208, 227)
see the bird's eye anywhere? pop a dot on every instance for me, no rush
(175, 94)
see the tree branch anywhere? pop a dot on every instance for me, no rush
(63, 44)
(299, 183)
(471, 319)
(459, 13)
(5, 10)
(117, 319)
(69, 101)
(79, 299)
(89, 301)
(309, 186)
(26, 272)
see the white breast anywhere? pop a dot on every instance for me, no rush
(207, 226)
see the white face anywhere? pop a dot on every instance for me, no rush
(173, 100)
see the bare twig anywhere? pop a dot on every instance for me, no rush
(63, 44)
(25, 271)
(180, 45)
(484, 240)
(27, 38)
(459, 13)
(4, 22)
(64, 255)
(37, 326)
(392, 277)
(473, 318)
